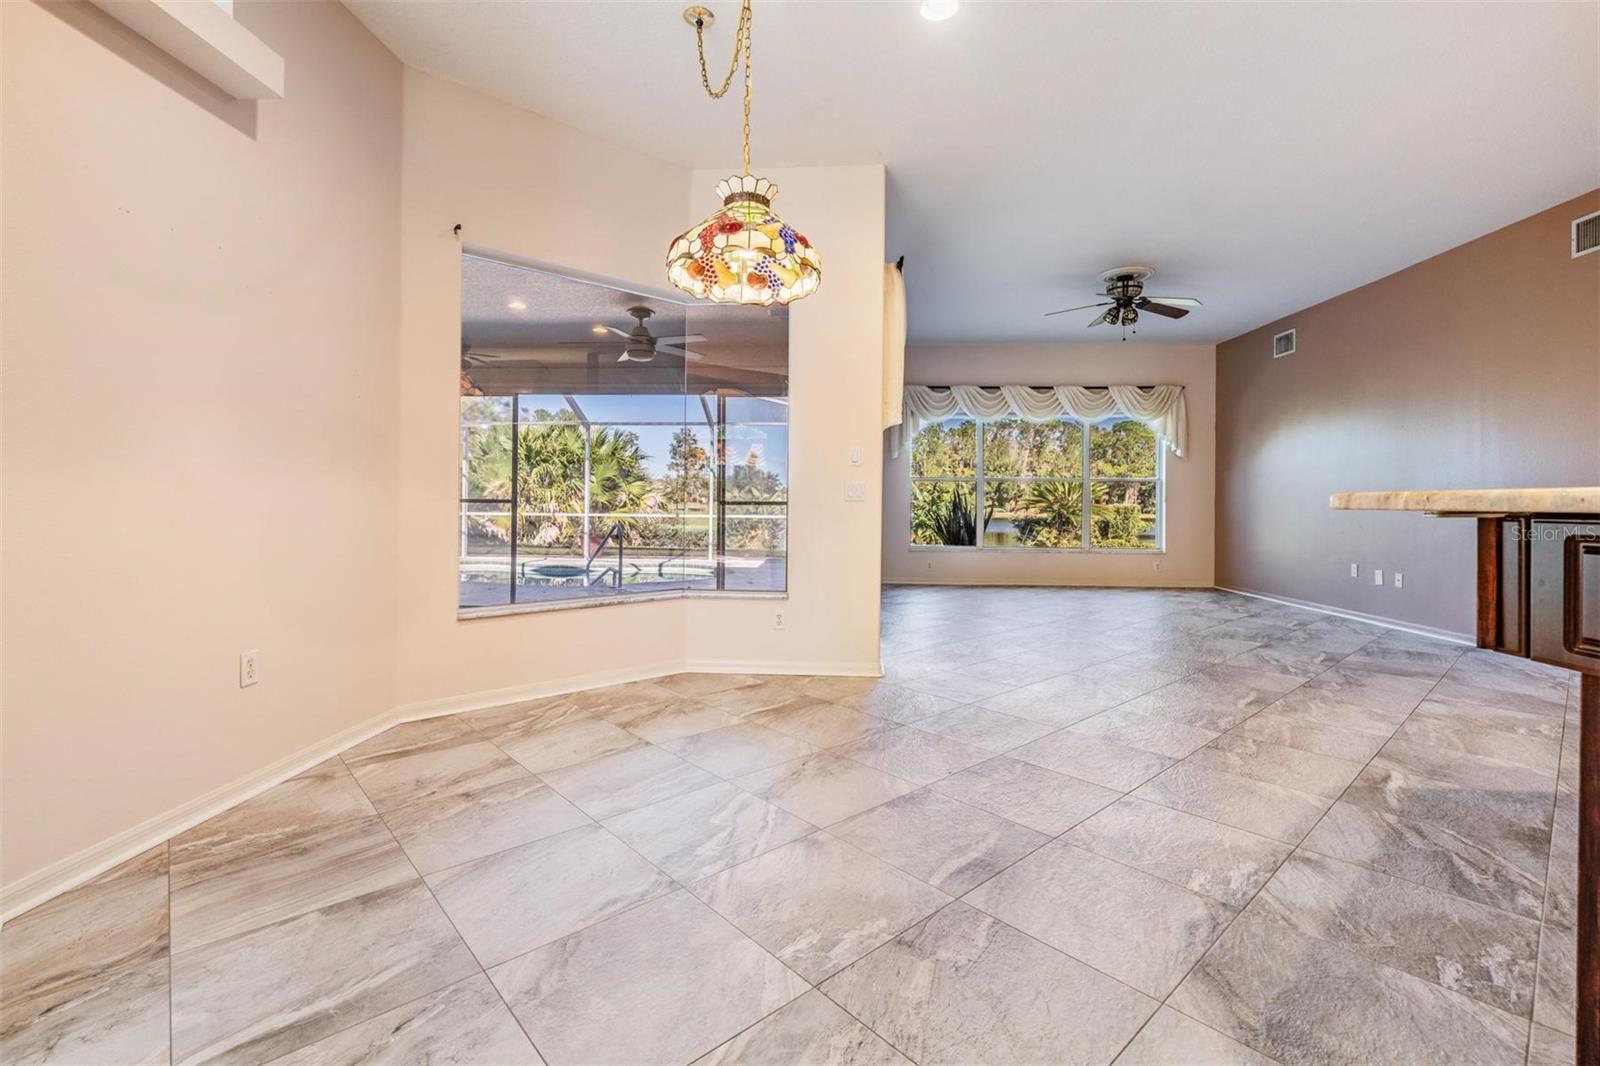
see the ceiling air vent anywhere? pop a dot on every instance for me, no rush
(1586, 235)
(1283, 344)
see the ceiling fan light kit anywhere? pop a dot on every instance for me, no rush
(745, 253)
(1125, 298)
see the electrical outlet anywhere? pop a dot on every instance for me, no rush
(1377, 577)
(1399, 580)
(1158, 566)
(248, 668)
(778, 621)
(1355, 571)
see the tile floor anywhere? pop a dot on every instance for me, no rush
(1068, 825)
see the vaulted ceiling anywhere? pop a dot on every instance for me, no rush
(1261, 157)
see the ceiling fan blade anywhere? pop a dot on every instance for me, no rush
(672, 349)
(1175, 301)
(687, 338)
(1099, 320)
(1164, 310)
(1085, 307)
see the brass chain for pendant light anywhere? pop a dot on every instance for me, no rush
(741, 46)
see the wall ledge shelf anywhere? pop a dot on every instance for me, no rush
(205, 37)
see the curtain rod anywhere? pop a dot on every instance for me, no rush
(1030, 386)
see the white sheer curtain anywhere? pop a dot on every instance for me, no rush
(1160, 407)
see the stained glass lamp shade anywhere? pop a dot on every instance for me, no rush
(745, 253)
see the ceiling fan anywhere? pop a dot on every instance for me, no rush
(1125, 298)
(637, 345)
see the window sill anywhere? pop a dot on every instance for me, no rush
(469, 614)
(1034, 551)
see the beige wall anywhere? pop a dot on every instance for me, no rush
(1190, 494)
(835, 386)
(520, 184)
(231, 345)
(1477, 368)
(556, 196)
(199, 377)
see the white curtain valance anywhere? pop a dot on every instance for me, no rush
(1160, 407)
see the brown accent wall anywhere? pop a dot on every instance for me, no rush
(1477, 368)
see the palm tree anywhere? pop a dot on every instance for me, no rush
(550, 484)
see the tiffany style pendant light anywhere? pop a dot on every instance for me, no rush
(744, 253)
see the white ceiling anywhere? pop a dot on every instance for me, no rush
(1262, 157)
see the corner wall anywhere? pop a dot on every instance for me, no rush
(559, 196)
(835, 390)
(199, 440)
(524, 185)
(1478, 368)
(1190, 480)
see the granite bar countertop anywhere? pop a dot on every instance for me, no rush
(1575, 500)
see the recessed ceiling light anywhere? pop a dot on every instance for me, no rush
(517, 305)
(597, 329)
(939, 10)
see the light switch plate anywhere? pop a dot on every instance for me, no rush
(855, 491)
(855, 456)
(1377, 577)
(1399, 580)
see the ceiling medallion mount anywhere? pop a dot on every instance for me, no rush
(744, 253)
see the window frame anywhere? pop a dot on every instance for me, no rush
(1085, 477)
(717, 426)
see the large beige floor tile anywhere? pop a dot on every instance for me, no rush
(664, 983)
(1466, 947)
(450, 830)
(963, 987)
(939, 840)
(1093, 759)
(256, 996)
(825, 788)
(1140, 929)
(513, 901)
(1170, 1038)
(85, 973)
(627, 781)
(812, 1029)
(421, 760)
(1299, 999)
(465, 1024)
(913, 754)
(699, 833)
(318, 869)
(818, 903)
(321, 796)
(1029, 795)
(1226, 864)
(1258, 807)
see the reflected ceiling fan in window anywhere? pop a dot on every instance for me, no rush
(638, 345)
(1125, 298)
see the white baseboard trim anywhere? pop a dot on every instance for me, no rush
(30, 891)
(42, 885)
(987, 582)
(1375, 619)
